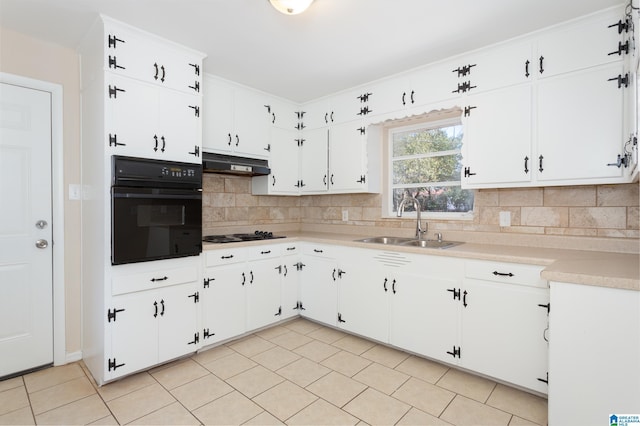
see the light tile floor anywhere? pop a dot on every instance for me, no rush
(297, 373)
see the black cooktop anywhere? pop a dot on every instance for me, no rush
(236, 238)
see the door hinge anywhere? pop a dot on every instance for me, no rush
(113, 365)
(362, 179)
(111, 41)
(456, 293)
(544, 380)
(623, 80)
(206, 334)
(467, 172)
(279, 312)
(196, 86)
(207, 281)
(621, 161)
(196, 338)
(300, 142)
(196, 110)
(113, 63)
(196, 297)
(456, 352)
(362, 130)
(113, 140)
(113, 91)
(196, 151)
(464, 87)
(196, 68)
(340, 318)
(299, 306)
(464, 70)
(547, 307)
(467, 110)
(112, 315)
(299, 266)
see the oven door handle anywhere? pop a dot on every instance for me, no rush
(187, 195)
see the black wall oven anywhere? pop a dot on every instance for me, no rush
(156, 210)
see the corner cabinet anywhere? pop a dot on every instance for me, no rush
(141, 97)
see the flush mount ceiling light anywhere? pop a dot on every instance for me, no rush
(291, 7)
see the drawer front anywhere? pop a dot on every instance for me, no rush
(290, 248)
(263, 252)
(511, 273)
(224, 256)
(152, 279)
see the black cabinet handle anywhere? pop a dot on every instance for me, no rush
(318, 251)
(227, 257)
(229, 135)
(244, 278)
(265, 252)
(541, 61)
(393, 286)
(251, 280)
(540, 163)
(164, 143)
(384, 285)
(331, 116)
(237, 140)
(155, 76)
(464, 298)
(411, 97)
(155, 307)
(331, 179)
(526, 68)
(285, 270)
(324, 180)
(153, 280)
(526, 164)
(326, 115)
(404, 94)
(162, 304)
(502, 274)
(274, 180)
(622, 26)
(163, 73)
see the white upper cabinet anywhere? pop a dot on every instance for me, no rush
(497, 140)
(136, 54)
(580, 44)
(236, 119)
(284, 155)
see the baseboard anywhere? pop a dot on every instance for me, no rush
(73, 357)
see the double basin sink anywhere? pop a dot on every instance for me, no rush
(410, 242)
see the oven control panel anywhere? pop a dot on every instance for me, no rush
(130, 171)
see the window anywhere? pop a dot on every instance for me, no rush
(425, 163)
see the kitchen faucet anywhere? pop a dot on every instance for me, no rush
(416, 205)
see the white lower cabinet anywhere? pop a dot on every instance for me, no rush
(505, 323)
(152, 318)
(318, 286)
(290, 273)
(264, 293)
(593, 354)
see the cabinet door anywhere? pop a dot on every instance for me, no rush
(424, 312)
(130, 54)
(177, 321)
(346, 157)
(251, 123)
(580, 131)
(180, 126)
(497, 137)
(499, 67)
(284, 115)
(223, 303)
(316, 115)
(504, 332)
(264, 306)
(579, 45)
(217, 114)
(283, 161)
(390, 95)
(134, 333)
(131, 124)
(290, 286)
(363, 293)
(182, 71)
(346, 107)
(314, 160)
(434, 83)
(319, 290)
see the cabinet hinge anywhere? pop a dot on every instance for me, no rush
(300, 184)
(456, 352)
(196, 68)
(113, 63)
(196, 110)
(196, 86)
(113, 365)
(299, 306)
(467, 172)
(279, 312)
(467, 110)
(364, 97)
(622, 26)
(206, 334)
(621, 161)
(196, 151)
(111, 315)
(196, 338)
(362, 179)
(365, 111)
(622, 80)
(300, 141)
(300, 114)
(622, 47)
(547, 307)
(464, 87)
(113, 91)
(544, 380)
(207, 281)
(299, 266)
(340, 318)
(456, 293)
(113, 140)
(464, 70)
(111, 41)
(196, 297)
(300, 126)
(362, 130)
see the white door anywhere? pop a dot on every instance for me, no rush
(26, 262)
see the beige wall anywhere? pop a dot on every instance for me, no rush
(37, 59)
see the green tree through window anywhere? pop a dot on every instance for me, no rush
(426, 164)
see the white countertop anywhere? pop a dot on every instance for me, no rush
(605, 269)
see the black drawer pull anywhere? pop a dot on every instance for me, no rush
(503, 274)
(226, 257)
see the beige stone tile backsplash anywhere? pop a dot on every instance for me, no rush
(601, 211)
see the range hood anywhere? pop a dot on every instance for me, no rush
(234, 165)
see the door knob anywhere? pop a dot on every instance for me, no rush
(41, 224)
(41, 244)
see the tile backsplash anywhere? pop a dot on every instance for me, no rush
(596, 211)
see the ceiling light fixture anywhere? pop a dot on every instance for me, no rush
(291, 7)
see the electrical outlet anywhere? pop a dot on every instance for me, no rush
(505, 218)
(345, 215)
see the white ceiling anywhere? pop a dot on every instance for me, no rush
(334, 45)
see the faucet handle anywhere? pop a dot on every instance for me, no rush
(439, 236)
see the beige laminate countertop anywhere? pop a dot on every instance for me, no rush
(597, 268)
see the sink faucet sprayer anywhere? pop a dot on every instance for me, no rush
(416, 205)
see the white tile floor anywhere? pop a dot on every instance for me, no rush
(297, 373)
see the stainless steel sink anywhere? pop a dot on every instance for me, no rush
(431, 244)
(410, 242)
(386, 240)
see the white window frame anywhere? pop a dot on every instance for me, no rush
(403, 126)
